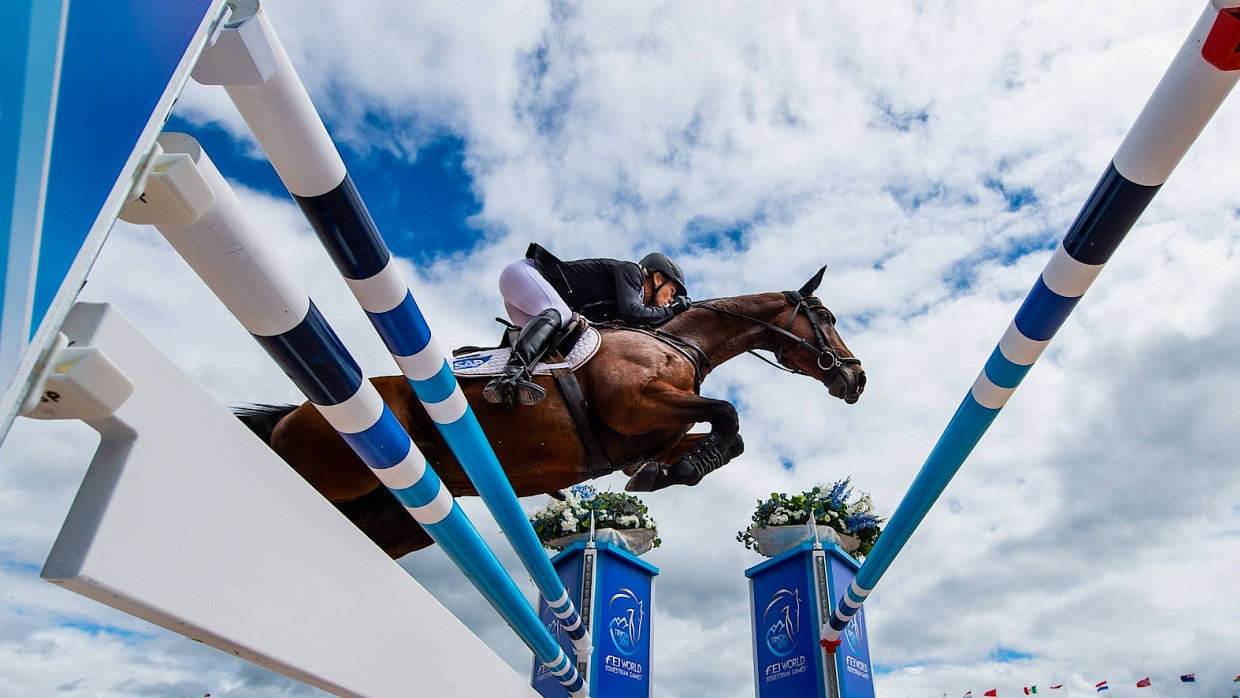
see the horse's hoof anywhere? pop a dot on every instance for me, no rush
(644, 480)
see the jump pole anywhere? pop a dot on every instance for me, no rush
(252, 65)
(196, 210)
(1196, 83)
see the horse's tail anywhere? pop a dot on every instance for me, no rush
(262, 419)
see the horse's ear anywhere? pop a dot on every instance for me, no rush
(812, 285)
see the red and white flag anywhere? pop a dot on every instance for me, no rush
(968, 694)
(1056, 686)
(1143, 683)
(993, 693)
(1102, 686)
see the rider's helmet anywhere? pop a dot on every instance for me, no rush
(657, 261)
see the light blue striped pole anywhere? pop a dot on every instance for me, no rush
(245, 272)
(287, 126)
(1198, 80)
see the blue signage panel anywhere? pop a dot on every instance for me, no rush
(852, 659)
(621, 628)
(568, 565)
(785, 627)
(30, 48)
(121, 66)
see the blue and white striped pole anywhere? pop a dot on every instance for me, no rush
(1200, 77)
(279, 112)
(243, 269)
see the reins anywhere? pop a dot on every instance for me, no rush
(809, 305)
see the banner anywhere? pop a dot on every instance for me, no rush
(785, 629)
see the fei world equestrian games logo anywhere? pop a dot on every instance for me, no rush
(782, 619)
(625, 629)
(627, 618)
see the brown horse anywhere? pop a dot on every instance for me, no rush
(641, 387)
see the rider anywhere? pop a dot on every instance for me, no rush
(543, 294)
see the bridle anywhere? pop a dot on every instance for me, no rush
(826, 357)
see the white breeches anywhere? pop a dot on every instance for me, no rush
(526, 293)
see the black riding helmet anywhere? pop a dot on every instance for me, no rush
(657, 261)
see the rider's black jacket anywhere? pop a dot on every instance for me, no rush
(600, 289)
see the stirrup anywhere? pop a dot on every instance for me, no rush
(511, 390)
(529, 393)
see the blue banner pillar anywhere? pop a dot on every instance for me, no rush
(790, 596)
(615, 592)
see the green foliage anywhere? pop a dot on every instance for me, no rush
(833, 507)
(617, 510)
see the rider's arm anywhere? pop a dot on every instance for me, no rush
(632, 310)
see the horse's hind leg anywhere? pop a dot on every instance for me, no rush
(309, 444)
(385, 522)
(312, 447)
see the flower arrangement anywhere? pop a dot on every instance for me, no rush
(561, 521)
(832, 507)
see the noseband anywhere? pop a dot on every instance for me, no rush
(826, 357)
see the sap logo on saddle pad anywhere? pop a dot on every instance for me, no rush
(470, 362)
(782, 619)
(627, 617)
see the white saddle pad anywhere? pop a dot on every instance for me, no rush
(489, 362)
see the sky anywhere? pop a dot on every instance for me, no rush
(931, 153)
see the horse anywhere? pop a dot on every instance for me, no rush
(642, 388)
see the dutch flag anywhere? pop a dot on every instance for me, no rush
(1101, 686)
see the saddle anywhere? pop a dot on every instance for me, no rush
(580, 344)
(488, 362)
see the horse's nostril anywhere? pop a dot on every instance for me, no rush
(861, 379)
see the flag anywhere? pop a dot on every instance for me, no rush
(1056, 686)
(1101, 686)
(1188, 678)
(968, 694)
(994, 692)
(1236, 679)
(1143, 683)
(1030, 690)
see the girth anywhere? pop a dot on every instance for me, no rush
(598, 463)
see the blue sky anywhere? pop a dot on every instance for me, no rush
(421, 201)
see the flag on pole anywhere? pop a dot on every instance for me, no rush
(1189, 678)
(1056, 686)
(1143, 683)
(994, 692)
(1030, 690)
(1101, 686)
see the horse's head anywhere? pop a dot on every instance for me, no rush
(820, 353)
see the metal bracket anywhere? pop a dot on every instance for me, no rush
(76, 383)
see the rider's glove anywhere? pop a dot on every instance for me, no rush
(679, 304)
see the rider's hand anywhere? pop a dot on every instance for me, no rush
(679, 304)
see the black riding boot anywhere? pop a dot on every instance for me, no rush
(514, 386)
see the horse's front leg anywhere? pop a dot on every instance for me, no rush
(661, 405)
